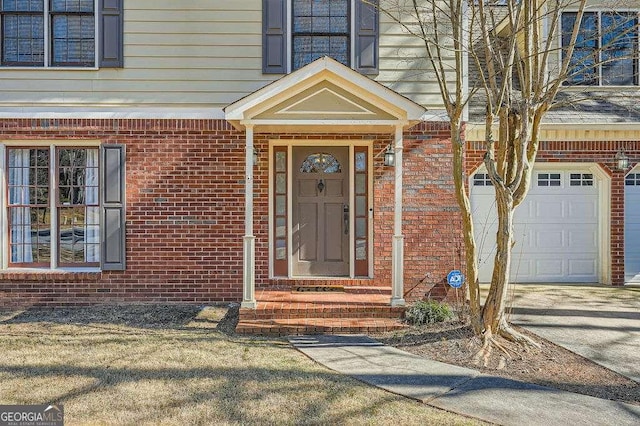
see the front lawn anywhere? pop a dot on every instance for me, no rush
(151, 364)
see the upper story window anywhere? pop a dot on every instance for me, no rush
(605, 52)
(61, 33)
(320, 28)
(297, 32)
(66, 27)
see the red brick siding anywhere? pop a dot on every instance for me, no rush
(601, 153)
(185, 212)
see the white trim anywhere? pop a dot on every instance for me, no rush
(4, 221)
(598, 10)
(116, 113)
(603, 185)
(352, 209)
(324, 69)
(53, 206)
(435, 115)
(266, 122)
(249, 270)
(290, 144)
(397, 256)
(48, 53)
(79, 143)
(289, 207)
(53, 146)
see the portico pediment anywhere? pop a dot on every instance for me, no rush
(324, 95)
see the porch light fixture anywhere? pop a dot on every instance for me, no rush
(389, 157)
(622, 161)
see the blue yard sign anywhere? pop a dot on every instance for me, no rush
(455, 278)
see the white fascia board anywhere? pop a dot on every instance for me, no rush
(112, 114)
(316, 71)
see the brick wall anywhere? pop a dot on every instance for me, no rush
(601, 153)
(185, 212)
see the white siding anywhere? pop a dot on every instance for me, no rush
(205, 57)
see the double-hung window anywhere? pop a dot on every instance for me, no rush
(297, 32)
(606, 49)
(67, 230)
(61, 33)
(320, 28)
(59, 212)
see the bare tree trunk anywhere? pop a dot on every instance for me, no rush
(494, 306)
(471, 266)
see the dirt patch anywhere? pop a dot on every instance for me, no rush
(142, 315)
(551, 365)
(229, 321)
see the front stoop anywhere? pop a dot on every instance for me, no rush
(287, 312)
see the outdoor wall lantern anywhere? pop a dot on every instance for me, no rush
(622, 161)
(389, 157)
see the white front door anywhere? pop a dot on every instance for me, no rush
(556, 227)
(632, 228)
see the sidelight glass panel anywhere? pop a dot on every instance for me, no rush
(281, 183)
(281, 205)
(361, 161)
(361, 227)
(361, 205)
(281, 161)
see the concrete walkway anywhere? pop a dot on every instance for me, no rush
(461, 390)
(601, 323)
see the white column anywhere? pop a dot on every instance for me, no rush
(249, 240)
(397, 253)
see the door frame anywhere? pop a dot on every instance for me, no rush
(635, 169)
(290, 144)
(603, 180)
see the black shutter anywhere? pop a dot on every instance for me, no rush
(112, 214)
(110, 44)
(274, 36)
(366, 36)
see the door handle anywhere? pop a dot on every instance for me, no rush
(345, 210)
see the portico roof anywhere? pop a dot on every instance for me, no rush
(324, 94)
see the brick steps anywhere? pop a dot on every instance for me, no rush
(285, 327)
(285, 312)
(278, 310)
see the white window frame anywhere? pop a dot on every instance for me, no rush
(599, 12)
(4, 220)
(290, 35)
(47, 44)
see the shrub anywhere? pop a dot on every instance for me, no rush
(427, 312)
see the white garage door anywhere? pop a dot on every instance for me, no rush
(556, 227)
(632, 228)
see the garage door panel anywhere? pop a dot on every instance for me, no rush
(544, 210)
(582, 268)
(582, 211)
(549, 268)
(555, 232)
(583, 239)
(546, 240)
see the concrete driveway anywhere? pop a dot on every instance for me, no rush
(601, 323)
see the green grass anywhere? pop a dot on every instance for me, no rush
(144, 365)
